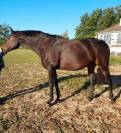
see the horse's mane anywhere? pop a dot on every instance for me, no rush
(36, 33)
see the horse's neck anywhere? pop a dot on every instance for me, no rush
(38, 45)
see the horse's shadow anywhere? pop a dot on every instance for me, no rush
(116, 82)
(116, 79)
(36, 88)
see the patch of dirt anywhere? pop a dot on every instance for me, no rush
(24, 94)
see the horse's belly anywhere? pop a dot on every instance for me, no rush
(73, 65)
(74, 59)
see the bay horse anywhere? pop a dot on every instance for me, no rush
(57, 52)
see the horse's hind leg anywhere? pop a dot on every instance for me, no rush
(92, 79)
(107, 76)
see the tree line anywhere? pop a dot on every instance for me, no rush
(96, 21)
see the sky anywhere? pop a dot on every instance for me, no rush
(51, 16)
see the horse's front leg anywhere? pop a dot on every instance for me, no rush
(92, 82)
(57, 88)
(51, 83)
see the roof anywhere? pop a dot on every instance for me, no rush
(114, 28)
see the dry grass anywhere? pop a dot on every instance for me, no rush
(24, 89)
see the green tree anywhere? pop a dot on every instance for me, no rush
(82, 30)
(88, 25)
(118, 13)
(98, 20)
(107, 19)
(4, 32)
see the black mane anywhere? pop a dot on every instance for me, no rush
(35, 33)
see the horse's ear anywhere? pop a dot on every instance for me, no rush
(11, 30)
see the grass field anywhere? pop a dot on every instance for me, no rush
(24, 93)
(21, 56)
(115, 60)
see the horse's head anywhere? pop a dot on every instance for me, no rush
(11, 43)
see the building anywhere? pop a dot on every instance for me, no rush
(112, 36)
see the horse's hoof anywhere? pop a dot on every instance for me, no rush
(113, 100)
(52, 103)
(90, 98)
(57, 100)
(111, 96)
(49, 101)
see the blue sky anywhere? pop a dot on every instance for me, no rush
(52, 16)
